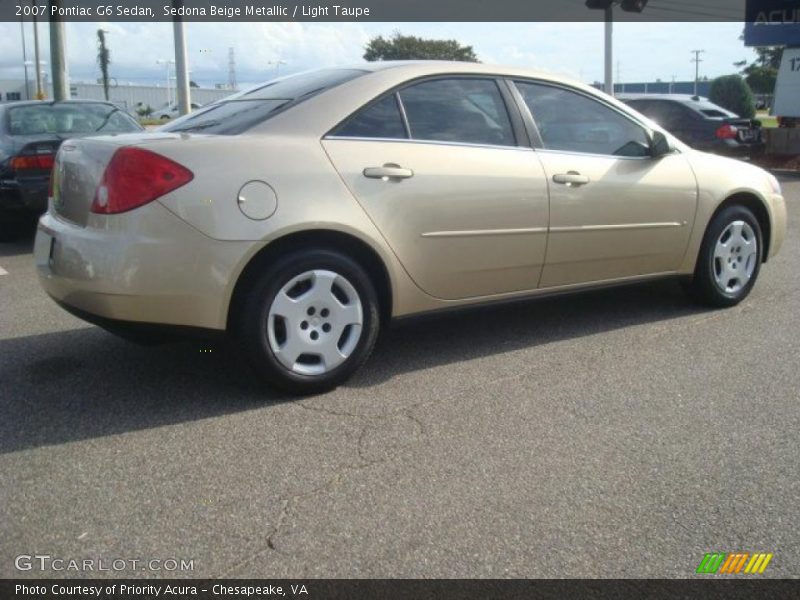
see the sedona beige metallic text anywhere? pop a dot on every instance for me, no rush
(301, 215)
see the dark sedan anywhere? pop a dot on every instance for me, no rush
(30, 135)
(700, 123)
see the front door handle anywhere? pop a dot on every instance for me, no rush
(388, 171)
(571, 178)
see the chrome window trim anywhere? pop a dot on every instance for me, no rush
(434, 142)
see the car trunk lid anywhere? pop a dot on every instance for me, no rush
(77, 172)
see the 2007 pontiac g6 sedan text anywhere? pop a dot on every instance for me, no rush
(301, 215)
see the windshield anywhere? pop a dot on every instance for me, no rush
(246, 109)
(69, 119)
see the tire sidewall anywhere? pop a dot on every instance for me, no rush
(256, 313)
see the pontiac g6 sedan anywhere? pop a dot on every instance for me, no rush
(300, 216)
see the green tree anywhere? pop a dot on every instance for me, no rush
(409, 47)
(762, 73)
(733, 93)
(103, 59)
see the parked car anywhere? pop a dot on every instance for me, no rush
(30, 134)
(300, 216)
(171, 112)
(700, 123)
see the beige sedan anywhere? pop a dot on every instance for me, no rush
(301, 215)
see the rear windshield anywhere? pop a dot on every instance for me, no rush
(67, 119)
(239, 112)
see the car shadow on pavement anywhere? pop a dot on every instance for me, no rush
(443, 338)
(86, 383)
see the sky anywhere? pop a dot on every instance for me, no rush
(643, 51)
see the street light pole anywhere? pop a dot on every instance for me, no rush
(277, 64)
(58, 59)
(609, 51)
(181, 66)
(169, 63)
(39, 92)
(25, 59)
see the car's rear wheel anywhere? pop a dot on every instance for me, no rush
(730, 258)
(310, 320)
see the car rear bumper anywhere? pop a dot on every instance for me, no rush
(146, 266)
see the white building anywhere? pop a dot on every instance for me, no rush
(129, 97)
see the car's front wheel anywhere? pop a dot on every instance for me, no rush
(310, 320)
(730, 258)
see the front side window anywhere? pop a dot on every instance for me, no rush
(571, 122)
(470, 111)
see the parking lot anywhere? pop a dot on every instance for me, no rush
(620, 433)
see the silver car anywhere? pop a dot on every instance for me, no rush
(301, 215)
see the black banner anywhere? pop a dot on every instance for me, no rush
(402, 589)
(366, 10)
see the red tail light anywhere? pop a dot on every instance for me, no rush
(727, 132)
(135, 177)
(32, 161)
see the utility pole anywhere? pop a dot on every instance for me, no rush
(636, 6)
(38, 66)
(609, 51)
(697, 60)
(58, 59)
(182, 92)
(25, 59)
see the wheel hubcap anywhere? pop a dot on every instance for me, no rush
(315, 322)
(735, 257)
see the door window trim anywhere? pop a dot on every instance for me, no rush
(516, 120)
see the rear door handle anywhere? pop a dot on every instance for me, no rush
(571, 178)
(388, 171)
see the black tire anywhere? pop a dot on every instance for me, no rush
(252, 322)
(703, 287)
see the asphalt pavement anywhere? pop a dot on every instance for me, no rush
(619, 433)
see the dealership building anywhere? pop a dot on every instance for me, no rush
(129, 97)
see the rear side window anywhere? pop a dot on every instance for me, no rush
(572, 122)
(380, 120)
(470, 111)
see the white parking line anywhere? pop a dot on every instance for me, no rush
(3, 271)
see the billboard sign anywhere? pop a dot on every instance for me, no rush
(772, 23)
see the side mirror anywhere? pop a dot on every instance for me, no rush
(659, 144)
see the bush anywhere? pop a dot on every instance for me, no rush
(733, 93)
